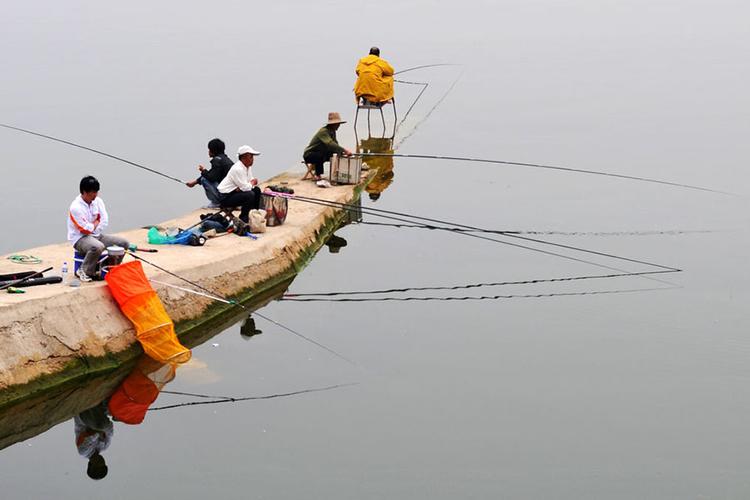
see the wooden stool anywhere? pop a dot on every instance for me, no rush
(310, 174)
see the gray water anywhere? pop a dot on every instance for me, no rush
(640, 394)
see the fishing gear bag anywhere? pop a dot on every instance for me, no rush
(275, 207)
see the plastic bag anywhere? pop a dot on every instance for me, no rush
(257, 221)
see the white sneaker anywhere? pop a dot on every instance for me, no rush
(82, 276)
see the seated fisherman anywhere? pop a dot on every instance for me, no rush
(374, 79)
(323, 145)
(87, 220)
(210, 179)
(239, 188)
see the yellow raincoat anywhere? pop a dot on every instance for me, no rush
(375, 79)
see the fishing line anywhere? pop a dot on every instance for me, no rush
(414, 103)
(550, 167)
(467, 298)
(471, 285)
(92, 150)
(254, 398)
(307, 339)
(668, 232)
(439, 101)
(212, 295)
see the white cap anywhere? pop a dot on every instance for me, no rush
(247, 149)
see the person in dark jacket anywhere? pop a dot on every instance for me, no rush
(323, 145)
(210, 178)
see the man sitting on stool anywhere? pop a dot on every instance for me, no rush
(87, 219)
(323, 145)
(239, 188)
(210, 179)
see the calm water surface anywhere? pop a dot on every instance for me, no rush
(640, 394)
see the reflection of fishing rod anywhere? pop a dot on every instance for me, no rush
(668, 232)
(211, 295)
(92, 150)
(549, 167)
(466, 298)
(223, 399)
(468, 286)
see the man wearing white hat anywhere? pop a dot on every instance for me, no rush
(323, 145)
(239, 188)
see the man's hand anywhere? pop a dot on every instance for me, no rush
(254, 182)
(347, 152)
(201, 168)
(191, 183)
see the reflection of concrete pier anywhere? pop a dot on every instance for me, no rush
(34, 415)
(54, 333)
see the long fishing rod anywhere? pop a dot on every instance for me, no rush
(389, 214)
(549, 167)
(69, 143)
(381, 213)
(469, 286)
(211, 295)
(467, 298)
(253, 398)
(667, 232)
(424, 66)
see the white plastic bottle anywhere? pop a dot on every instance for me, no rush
(64, 272)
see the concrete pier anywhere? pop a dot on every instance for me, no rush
(55, 333)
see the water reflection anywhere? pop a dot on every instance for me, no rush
(127, 404)
(384, 164)
(93, 431)
(248, 329)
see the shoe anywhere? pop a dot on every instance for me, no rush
(323, 183)
(211, 206)
(81, 274)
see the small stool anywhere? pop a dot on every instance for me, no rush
(310, 174)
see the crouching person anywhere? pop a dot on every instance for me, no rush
(239, 188)
(87, 220)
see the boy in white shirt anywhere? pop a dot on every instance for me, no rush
(87, 218)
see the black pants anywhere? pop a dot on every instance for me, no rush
(317, 158)
(246, 200)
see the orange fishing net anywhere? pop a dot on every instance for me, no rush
(131, 400)
(139, 302)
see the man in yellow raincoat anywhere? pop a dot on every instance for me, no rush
(375, 78)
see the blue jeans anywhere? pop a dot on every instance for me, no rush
(212, 190)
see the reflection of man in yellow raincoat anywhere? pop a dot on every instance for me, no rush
(375, 78)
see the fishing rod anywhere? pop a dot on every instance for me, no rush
(549, 167)
(468, 286)
(69, 143)
(467, 298)
(211, 295)
(378, 213)
(253, 398)
(398, 216)
(25, 279)
(424, 66)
